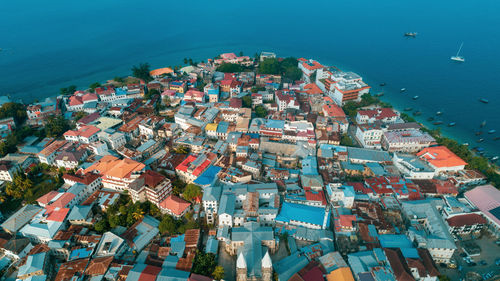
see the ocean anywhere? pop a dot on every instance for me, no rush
(47, 45)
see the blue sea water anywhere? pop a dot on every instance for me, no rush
(47, 45)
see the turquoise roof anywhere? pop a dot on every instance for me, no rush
(303, 213)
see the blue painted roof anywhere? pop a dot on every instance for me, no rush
(208, 176)
(302, 213)
(394, 241)
(212, 245)
(275, 124)
(80, 253)
(146, 145)
(222, 127)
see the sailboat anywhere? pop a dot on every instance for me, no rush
(457, 57)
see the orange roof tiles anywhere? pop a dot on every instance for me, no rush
(441, 157)
(113, 167)
(175, 204)
(45, 199)
(98, 266)
(51, 148)
(56, 214)
(333, 110)
(69, 269)
(340, 274)
(160, 71)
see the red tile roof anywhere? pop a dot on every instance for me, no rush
(56, 214)
(152, 178)
(175, 204)
(467, 219)
(45, 199)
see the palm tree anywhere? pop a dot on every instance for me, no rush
(138, 214)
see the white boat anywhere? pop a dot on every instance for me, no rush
(457, 57)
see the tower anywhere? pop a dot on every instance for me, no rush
(241, 268)
(267, 267)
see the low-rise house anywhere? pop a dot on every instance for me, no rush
(45, 224)
(141, 233)
(442, 159)
(114, 139)
(412, 167)
(194, 165)
(16, 248)
(81, 215)
(7, 126)
(49, 153)
(40, 111)
(36, 265)
(12, 162)
(301, 215)
(383, 115)
(174, 206)
(20, 218)
(85, 134)
(110, 245)
(70, 158)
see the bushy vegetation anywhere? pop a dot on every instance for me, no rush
(287, 67)
(55, 126)
(206, 264)
(231, 67)
(260, 111)
(14, 110)
(141, 71)
(351, 107)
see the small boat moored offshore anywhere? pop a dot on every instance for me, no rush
(411, 34)
(484, 100)
(415, 97)
(430, 119)
(494, 158)
(382, 84)
(496, 138)
(492, 131)
(480, 140)
(451, 124)
(439, 113)
(457, 57)
(379, 94)
(402, 90)
(438, 123)
(479, 133)
(408, 108)
(417, 113)
(483, 124)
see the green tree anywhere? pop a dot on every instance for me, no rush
(118, 79)
(151, 93)
(168, 225)
(101, 226)
(260, 111)
(230, 67)
(191, 191)
(56, 126)
(185, 61)
(14, 110)
(346, 140)
(204, 264)
(68, 91)
(247, 101)
(79, 115)
(141, 71)
(94, 85)
(270, 66)
(218, 273)
(444, 278)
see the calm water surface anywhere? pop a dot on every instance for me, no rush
(47, 45)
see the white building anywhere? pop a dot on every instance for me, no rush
(412, 167)
(369, 135)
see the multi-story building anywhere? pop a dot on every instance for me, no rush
(341, 86)
(38, 112)
(116, 174)
(212, 91)
(150, 186)
(49, 153)
(308, 67)
(428, 229)
(411, 140)
(369, 135)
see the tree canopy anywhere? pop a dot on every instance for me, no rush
(288, 68)
(230, 67)
(260, 111)
(191, 191)
(56, 126)
(204, 264)
(141, 71)
(247, 101)
(68, 90)
(14, 110)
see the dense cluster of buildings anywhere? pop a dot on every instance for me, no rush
(385, 208)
